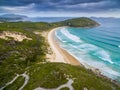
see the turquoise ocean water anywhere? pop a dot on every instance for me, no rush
(98, 47)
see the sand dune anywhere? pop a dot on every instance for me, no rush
(17, 36)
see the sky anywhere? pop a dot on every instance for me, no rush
(61, 8)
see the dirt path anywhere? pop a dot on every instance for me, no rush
(10, 82)
(68, 85)
(24, 75)
(25, 82)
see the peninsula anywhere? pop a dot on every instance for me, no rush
(38, 63)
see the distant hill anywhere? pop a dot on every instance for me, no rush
(47, 19)
(12, 17)
(16, 18)
(62, 21)
(25, 62)
(79, 22)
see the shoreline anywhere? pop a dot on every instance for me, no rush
(61, 55)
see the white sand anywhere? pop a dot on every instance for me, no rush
(17, 36)
(59, 55)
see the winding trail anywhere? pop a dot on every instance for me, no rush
(10, 82)
(25, 82)
(68, 85)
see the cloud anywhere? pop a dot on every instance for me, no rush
(94, 4)
(59, 6)
(91, 6)
(15, 9)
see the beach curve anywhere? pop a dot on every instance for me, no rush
(59, 54)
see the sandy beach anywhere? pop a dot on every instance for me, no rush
(59, 55)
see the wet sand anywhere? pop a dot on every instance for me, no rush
(59, 54)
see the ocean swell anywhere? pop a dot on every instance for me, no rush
(69, 35)
(87, 53)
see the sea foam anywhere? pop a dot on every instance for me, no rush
(88, 53)
(69, 35)
(58, 37)
(85, 47)
(87, 62)
(98, 52)
(119, 46)
(104, 56)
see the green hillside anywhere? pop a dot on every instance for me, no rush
(18, 57)
(79, 22)
(52, 75)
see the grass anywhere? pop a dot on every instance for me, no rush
(16, 85)
(52, 75)
(18, 57)
(78, 22)
(65, 88)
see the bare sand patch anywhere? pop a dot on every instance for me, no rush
(17, 36)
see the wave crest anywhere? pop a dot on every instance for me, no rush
(70, 36)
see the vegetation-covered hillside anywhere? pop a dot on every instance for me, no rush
(53, 75)
(79, 22)
(23, 63)
(12, 17)
(15, 56)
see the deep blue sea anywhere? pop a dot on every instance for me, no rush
(97, 47)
